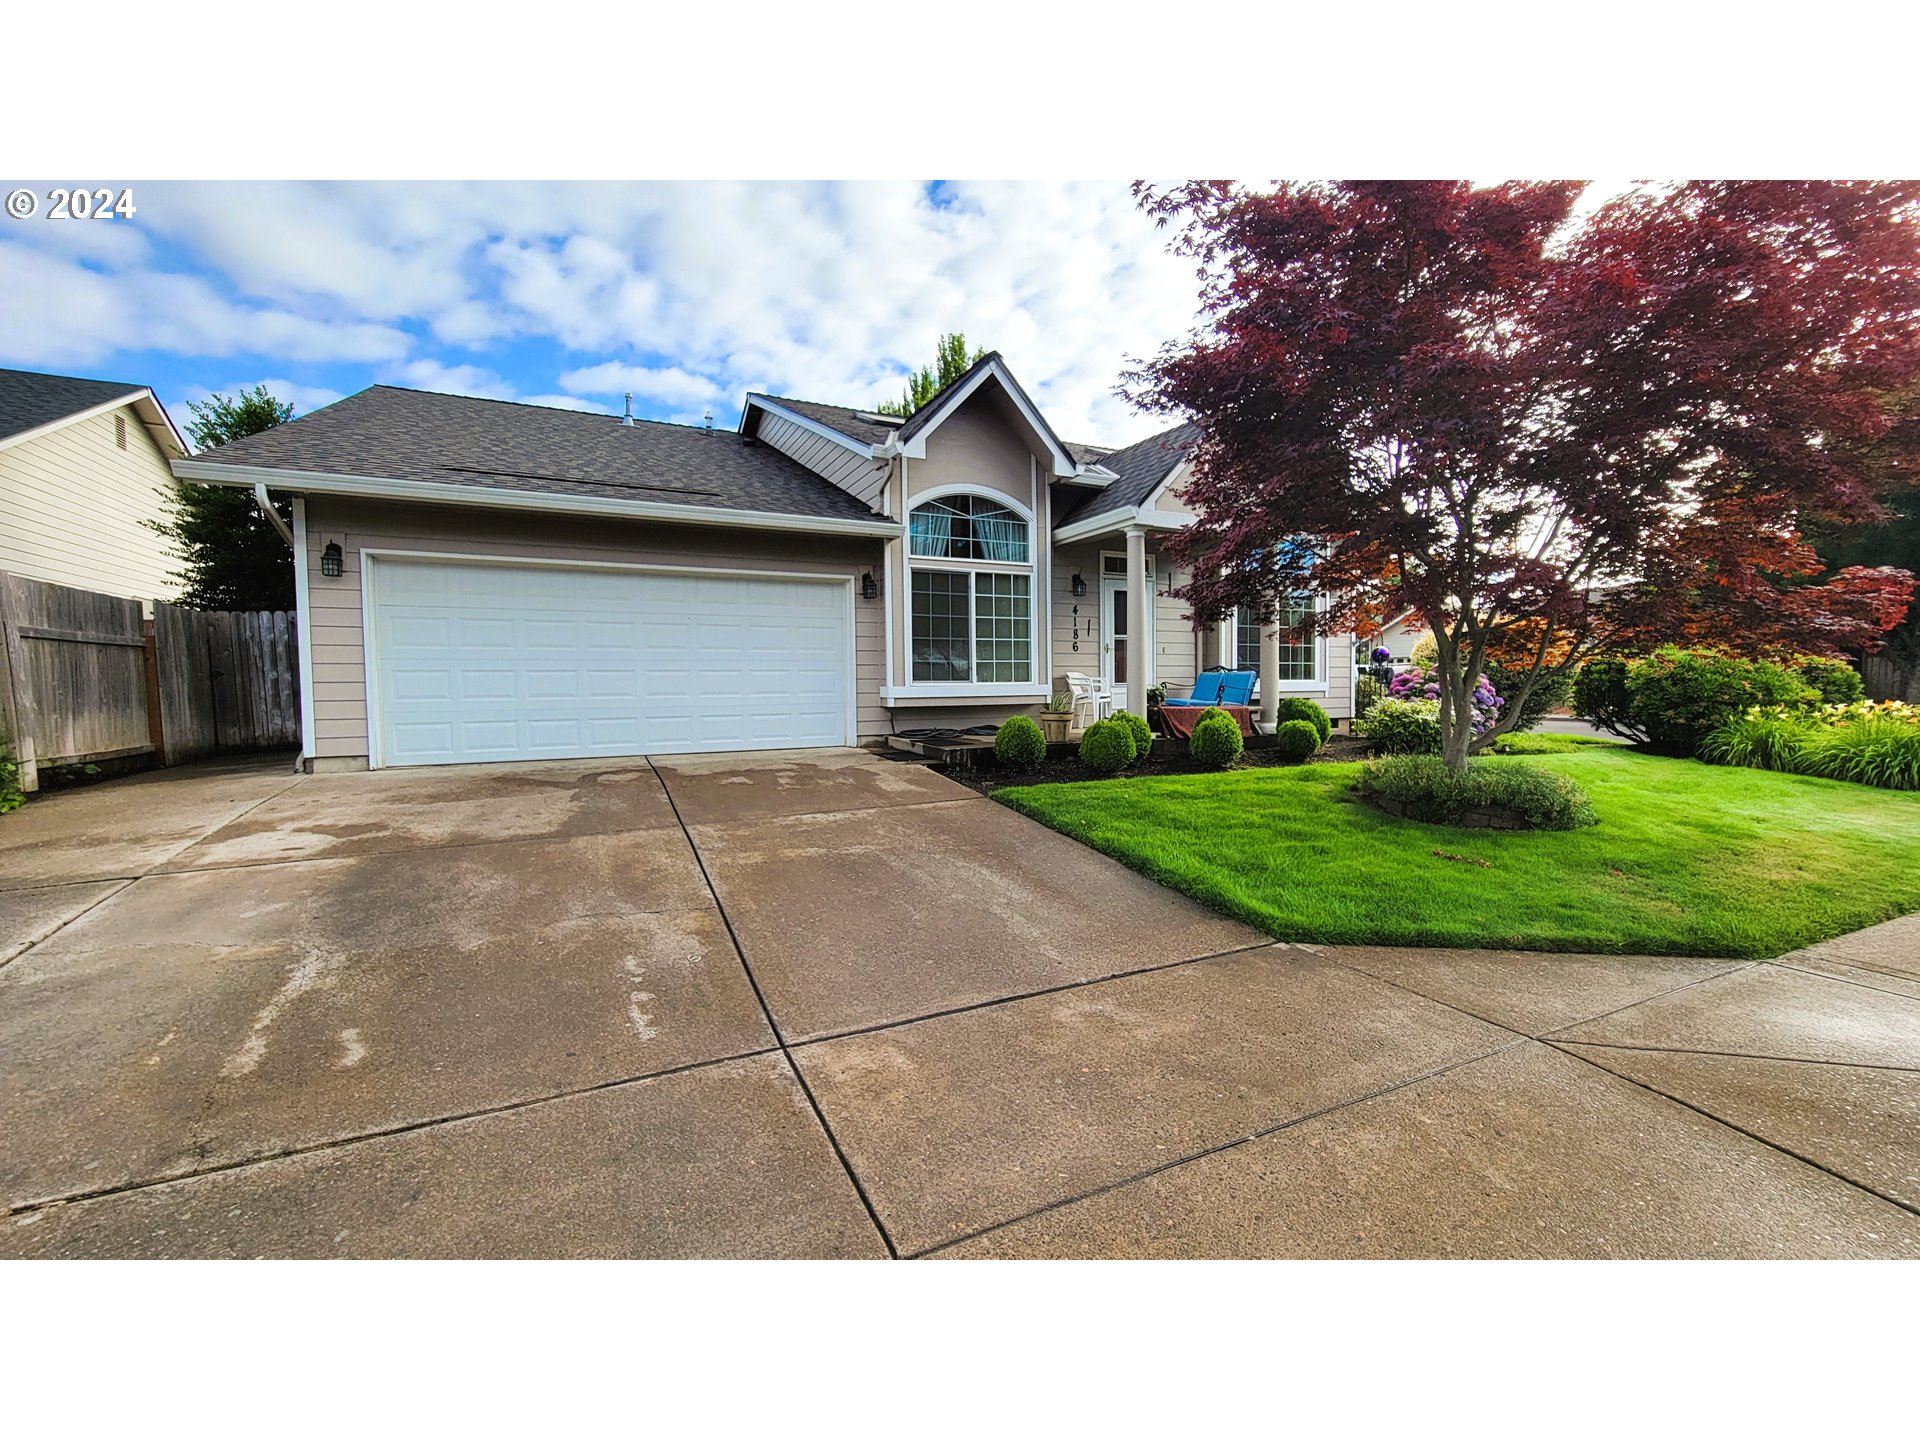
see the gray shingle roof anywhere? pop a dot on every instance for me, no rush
(396, 434)
(29, 399)
(1141, 467)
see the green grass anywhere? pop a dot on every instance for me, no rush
(1688, 859)
(1546, 742)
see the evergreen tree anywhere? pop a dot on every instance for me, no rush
(951, 361)
(234, 558)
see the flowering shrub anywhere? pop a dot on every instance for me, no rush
(1867, 742)
(1412, 684)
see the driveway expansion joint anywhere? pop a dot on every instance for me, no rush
(1771, 1144)
(773, 1024)
(342, 1142)
(1233, 1144)
(1560, 1041)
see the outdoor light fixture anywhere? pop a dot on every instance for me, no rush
(1079, 586)
(869, 587)
(330, 560)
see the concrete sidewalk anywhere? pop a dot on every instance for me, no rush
(827, 1004)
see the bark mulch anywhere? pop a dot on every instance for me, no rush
(987, 776)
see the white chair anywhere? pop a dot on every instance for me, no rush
(1092, 698)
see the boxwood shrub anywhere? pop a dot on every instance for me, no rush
(1216, 741)
(1019, 744)
(1142, 732)
(1428, 791)
(1671, 700)
(1107, 747)
(1296, 739)
(1297, 707)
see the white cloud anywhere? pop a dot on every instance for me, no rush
(686, 294)
(669, 386)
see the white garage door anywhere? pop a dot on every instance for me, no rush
(476, 662)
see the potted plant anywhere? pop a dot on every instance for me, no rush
(1156, 697)
(1057, 719)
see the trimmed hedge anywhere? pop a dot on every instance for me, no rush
(1142, 732)
(1216, 741)
(1296, 739)
(1019, 743)
(1296, 707)
(1107, 747)
(1427, 791)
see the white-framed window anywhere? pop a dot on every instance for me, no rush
(1299, 645)
(970, 592)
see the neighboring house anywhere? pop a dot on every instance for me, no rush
(483, 581)
(83, 469)
(1398, 635)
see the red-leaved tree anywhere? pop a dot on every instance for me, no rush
(1543, 434)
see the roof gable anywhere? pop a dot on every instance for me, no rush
(31, 402)
(1141, 469)
(989, 369)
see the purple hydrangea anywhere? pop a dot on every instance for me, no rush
(1412, 684)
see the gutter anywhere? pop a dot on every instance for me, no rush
(273, 515)
(308, 482)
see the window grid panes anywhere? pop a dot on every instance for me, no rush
(1299, 650)
(968, 527)
(940, 640)
(1003, 628)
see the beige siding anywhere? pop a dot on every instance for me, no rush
(859, 475)
(976, 445)
(339, 670)
(73, 507)
(1174, 645)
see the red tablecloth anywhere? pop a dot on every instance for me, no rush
(1178, 720)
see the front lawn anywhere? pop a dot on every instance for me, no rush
(1688, 859)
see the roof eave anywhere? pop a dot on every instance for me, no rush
(374, 487)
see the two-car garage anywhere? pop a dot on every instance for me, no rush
(492, 660)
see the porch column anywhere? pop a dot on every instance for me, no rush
(1139, 656)
(1269, 672)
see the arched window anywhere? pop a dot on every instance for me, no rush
(968, 527)
(970, 622)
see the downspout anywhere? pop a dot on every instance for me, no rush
(273, 515)
(303, 622)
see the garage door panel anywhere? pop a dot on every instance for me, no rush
(479, 661)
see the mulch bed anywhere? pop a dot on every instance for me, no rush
(987, 776)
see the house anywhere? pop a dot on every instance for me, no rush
(83, 469)
(487, 581)
(1398, 636)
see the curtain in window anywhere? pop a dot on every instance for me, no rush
(1000, 534)
(930, 530)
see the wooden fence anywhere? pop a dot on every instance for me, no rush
(85, 678)
(1888, 679)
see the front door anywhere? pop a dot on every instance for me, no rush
(1113, 653)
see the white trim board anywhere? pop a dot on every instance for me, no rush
(430, 492)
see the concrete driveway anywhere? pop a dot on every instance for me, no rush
(825, 1004)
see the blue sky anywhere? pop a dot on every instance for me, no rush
(688, 294)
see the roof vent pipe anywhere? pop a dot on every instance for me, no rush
(629, 419)
(709, 422)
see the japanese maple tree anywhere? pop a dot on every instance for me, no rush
(1548, 436)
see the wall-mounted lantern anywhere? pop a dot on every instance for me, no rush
(331, 560)
(869, 587)
(1079, 586)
